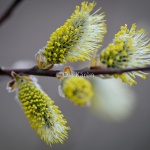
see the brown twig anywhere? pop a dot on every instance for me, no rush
(83, 72)
(9, 11)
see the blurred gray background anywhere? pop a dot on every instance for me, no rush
(22, 35)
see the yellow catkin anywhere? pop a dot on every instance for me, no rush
(76, 40)
(43, 115)
(75, 88)
(129, 49)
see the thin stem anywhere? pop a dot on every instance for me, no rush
(9, 11)
(83, 72)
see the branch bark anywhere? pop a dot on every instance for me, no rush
(83, 72)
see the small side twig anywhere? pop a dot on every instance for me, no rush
(9, 11)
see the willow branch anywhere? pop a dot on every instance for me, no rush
(9, 11)
(83, 72)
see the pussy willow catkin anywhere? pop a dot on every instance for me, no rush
(39, 108)
(76, 40)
